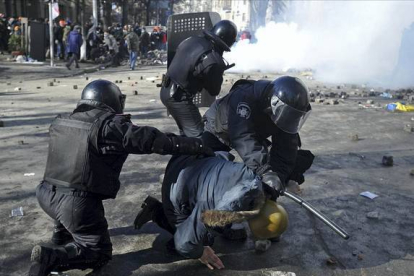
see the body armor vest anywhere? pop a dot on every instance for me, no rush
(182, 68)
(74, 159)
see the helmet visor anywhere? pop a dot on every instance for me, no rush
(287, 118)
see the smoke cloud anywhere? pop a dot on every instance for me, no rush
(343, 41)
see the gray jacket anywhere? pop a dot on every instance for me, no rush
(193, 185)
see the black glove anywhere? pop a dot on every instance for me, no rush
(277, 188)
(189, 145)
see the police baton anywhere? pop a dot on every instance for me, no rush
(341, 232)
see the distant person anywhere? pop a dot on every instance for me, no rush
(132, 41)
(155, 39)
(4, 34)
(66, 31)
(144, 42)
(75, 42)
(113, 48)
(58, 35)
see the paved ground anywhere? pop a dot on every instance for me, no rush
(382, 246)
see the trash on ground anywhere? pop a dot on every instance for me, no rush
(373, 215)
(153, 101)
(281, 273)
(368, 195)
(388, 161)
(17, 212)
(360, 257)
(386, 95)
(262, 245)
(409, 128)
(357, 155)
(400, 107)
(331, 261)
(29, 174)
(412, 172)
(17, 89)
(153, 78)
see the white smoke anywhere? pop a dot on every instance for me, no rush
(343, 41)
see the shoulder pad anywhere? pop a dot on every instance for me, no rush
(241, 82)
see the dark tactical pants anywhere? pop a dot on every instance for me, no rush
(83, 216)
(184, 111)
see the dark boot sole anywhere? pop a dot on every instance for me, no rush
(145, 214)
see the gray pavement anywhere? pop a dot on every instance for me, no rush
(378, 246)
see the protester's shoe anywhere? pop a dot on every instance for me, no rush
(149, 206)
(43, 261)
(67, 66)
(234, 234)
(61, 236)
(170, 246)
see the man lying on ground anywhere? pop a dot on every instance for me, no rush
(200, 198)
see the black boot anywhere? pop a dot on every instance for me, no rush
(44, 260)
(60, 235)
(149, 207)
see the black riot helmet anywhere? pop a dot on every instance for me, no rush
(289, 103)
(224, 34)
(103, 92)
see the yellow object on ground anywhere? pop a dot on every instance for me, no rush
(404, 107)
(271, 222)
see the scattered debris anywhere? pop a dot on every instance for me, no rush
(136, 82)
(355, 252)
(20, 142)
(152, 79)
(386, 95)
(373, 215)
(135, 92)
(387, 161)
(331, 261)
(400, 107)
(1, 123)
(54, 80)
(29, 174)
(87, 78)
(318, 100)
(370, 101)
(360, 257)
(333, 102)
(409, 128)
(368, 194)
(153, 101)
(17, 212)
(353, 137)
(412, 172)
(50, 83)
(120, 81)
(18, 89)
(129, 78)
(75, 86)
(281, 273)
(38, 87)
(262, 245)
(357, 155)
(116, 81)
(141, 78)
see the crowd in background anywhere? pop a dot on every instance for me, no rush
(114, 42)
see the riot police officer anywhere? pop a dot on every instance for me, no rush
(87, 150)
(254, 111)
(198, 64)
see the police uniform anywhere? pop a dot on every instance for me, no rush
(87, 150)
(240, 120)
(197, 65)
